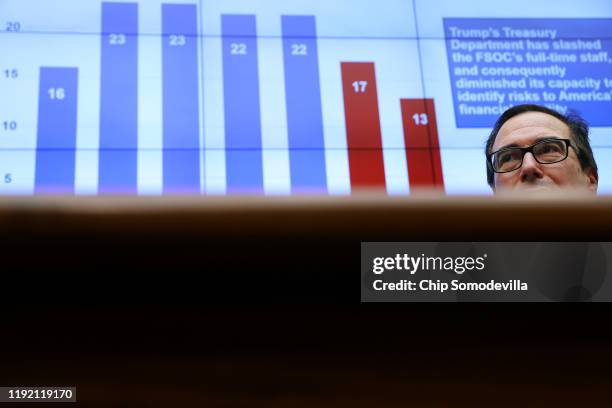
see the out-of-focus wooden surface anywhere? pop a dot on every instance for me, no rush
(198, 250)
(461, 218)
(255, 302)
(360, 356)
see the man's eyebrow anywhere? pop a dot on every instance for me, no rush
(538, 139)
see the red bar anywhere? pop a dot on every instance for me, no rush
(362, 125)
(422, 146)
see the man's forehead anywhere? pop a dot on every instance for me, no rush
(528, 127)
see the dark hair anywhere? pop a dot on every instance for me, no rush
(579, 129)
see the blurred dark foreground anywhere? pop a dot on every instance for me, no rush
(256, 302)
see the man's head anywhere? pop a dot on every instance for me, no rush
(551, 163)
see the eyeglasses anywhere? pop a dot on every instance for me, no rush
(545, 151)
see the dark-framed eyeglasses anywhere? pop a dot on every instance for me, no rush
(546, 151)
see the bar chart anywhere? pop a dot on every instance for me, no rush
(221, 98)
(171, 97)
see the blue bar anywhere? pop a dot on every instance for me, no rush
(119, 99)
(56, 131)
(181, 154)
(304, 113)
(244, 161)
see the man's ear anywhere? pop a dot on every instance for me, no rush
(591, 175)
